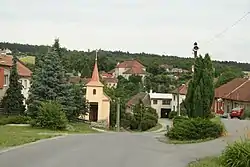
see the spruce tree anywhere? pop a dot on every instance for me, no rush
(48, 82)
(200, 93)
(13, 101)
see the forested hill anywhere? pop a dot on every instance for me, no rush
(115, 56)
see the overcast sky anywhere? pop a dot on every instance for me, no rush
(153, 26)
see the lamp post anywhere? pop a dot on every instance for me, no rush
(178, 97)
(118, 115)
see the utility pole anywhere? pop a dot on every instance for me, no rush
(118, 115)
(178, 96)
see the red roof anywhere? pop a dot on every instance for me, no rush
(135, 70)
(106, 75)
(6, 60)
(110, 80)
(95, 81)
(182, 89)
(130, 64)
(237, 89)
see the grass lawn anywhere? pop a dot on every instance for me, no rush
(28, 59)
(15, 135)
(206, 162)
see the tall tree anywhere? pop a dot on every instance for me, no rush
(48, 81)
(200, 89)
(13, 101)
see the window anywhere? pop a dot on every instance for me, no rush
(166, 102)
(6, 80)
(94, 91)
(154, 101)
(174, 97)
(25, 84)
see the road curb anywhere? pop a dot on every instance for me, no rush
(31, 143)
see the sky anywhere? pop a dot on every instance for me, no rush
(168, 27)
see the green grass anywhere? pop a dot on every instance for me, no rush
(155, 128)
(14, 135)
(28, 59)
(206, 162)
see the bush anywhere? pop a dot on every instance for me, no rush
(172, 114)
(194, 129)
(237, 154)
(14, 119)
(178, 119)
(51, 116)
(246, 114)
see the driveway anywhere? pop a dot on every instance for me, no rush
(116, 150)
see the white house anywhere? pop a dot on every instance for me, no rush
(182, 96)
(128, 68)
(162, 103)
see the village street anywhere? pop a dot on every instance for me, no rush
(116, 150)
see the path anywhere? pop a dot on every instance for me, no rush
(115, 150)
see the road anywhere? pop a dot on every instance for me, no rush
(116, 150)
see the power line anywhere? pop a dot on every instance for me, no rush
(228, 28)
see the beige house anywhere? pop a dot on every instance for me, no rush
(99, 102)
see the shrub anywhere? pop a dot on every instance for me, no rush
(246, 114)
(14, 119)
(51, 116)
(194, 129)
(172, 114)
(236, 154)
(178, 119)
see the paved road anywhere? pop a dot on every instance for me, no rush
(115, 150)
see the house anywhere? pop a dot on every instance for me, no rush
(5, 51)
(143, 96)
(235, 93)
(99, 102)
(179, 70)
(23, 71)
(167, 67)
(130, 67)
(161, 102)
(182, 96)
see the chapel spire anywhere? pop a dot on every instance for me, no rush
(95, 81)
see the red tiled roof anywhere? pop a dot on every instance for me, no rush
(228, 87)
(135, 70)
(130, 64)
(106, 75)
(110, 80)
(95, 81)
(237, 89)
(6, 60)
(182, 89)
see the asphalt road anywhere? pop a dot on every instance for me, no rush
(116, 150)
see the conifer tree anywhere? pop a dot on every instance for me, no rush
(13, 101)
(48, 82)
(200, 89)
